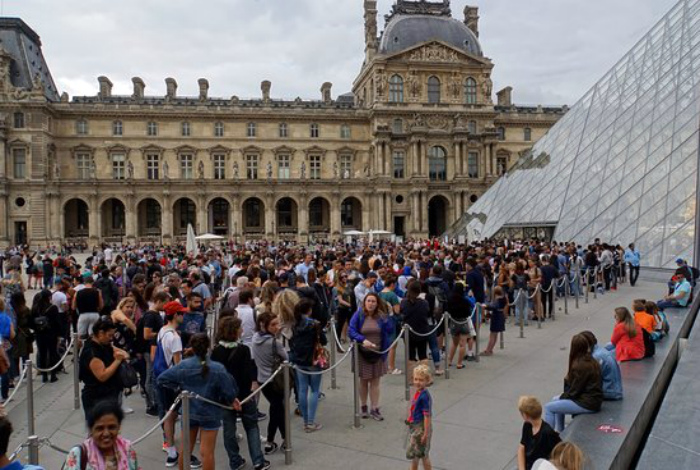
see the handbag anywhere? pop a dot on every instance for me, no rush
(322, 358)
(277, 383)
(127, 375)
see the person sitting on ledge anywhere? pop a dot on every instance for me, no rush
(662, 326)
(583, 392)
(681, 292)
(627, 338)
(609, 368)
(641, 317)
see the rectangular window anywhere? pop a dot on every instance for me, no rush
(117, 128)
(344, 131)
(118, 166)
(19, 120)
(219, 129)
(315, 167)
(83, 164)
(283, 167)
(251, 129)
(185, 129)
(399, 165)
(398, 126)
(251, 167)
(345, 167)
(81, 127)
(152, 166)
(19, 163)
(284, 130)
(314, 131)
(152, 129)
(473, 165)
(527, 134)
(219, 167)
(186, 167)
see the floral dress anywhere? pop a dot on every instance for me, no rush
(125, 457)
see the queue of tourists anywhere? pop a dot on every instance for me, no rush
(145, 315)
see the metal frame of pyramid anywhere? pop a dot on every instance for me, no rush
(622, 164)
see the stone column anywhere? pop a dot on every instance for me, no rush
(303, 218)
(334, 213)
(93, 221)
(458, 160)
(423, 159)
(4, 226)
(366, 222)
(379, 224)
(166, 222)
(489, 164)
(235, 218)
(270, 216)
(415, 212)
(451, 165)
(131, 218)
(202, 217)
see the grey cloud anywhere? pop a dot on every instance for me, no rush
(550, 51)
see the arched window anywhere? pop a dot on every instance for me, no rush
(501, 133)
(396, 89)
(470, 91)
(437, 164)
(433, 90)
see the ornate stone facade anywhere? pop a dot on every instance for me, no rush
(417, 141)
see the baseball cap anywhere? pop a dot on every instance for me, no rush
(173, 307)
(679, 261)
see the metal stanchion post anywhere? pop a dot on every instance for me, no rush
(553, 291)
(534, 303)
(287, 414)
(595, 283)
(446, 325)
(33, 449)
(406, 363)
(185, 425)
(566, 296)
(356, 385)
(30, 398)
(477, 329)
(577, 284)
(502, 345)
(522, 314)
(76, 372)
(588, 283)
(334, 346)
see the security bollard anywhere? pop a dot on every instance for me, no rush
(333, 347)
(477, 329)
(33, 446)
(287, 414)
(185, 455)
(356, 384)
(407, 370)
(76, 372)
(445, 358)
(30, 398)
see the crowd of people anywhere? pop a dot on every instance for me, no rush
(144, 313)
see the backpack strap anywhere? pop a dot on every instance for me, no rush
(83, 456)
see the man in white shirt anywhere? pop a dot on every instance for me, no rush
(60, 300)
(108, 255)
(169, 340)
(246, 313)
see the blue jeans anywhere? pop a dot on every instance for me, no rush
(309, 387)
(249, 416)
(662, 304)
(556, 410)
(434, 350)
(521, 301)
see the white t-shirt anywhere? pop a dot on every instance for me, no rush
(108, 255)
(60, 300)
(247, 316)
(171, 343)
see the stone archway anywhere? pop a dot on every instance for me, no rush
(319, 217)
(351, 214)
(150, 218)
(76, 219)
(287, 217)
(438, 216)
(218, 213)
(253, 216)
(113, 214)
(184, 214)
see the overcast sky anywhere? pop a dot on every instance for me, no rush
(550, 51)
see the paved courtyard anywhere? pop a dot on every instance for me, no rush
(476, 423)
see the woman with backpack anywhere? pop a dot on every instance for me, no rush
(46, 325)
(306, 340)
(105, 448)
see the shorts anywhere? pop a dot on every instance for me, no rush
(467, 328)
(417, 349)
(416, 449)
(205, 424)
(86, 322)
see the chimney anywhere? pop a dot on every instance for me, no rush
(265, 87)
(505, 97)
(370, 7)
(139, 87)
(326, 92)
(170, 88)
(105, 87)
(471, 19)
(203, 88)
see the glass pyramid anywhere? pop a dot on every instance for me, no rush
(622, 164)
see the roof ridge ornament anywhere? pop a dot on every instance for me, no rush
(420, 7)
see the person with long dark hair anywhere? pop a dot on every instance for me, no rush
(462, 329)
(211, 380)
(583, 389)
(22, 346)
(47, 326)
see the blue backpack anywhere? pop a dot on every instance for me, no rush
(160, 364)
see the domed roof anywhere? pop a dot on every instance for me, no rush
(405, 31)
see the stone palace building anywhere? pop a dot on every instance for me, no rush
(415, 143)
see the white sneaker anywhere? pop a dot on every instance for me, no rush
(127, 410)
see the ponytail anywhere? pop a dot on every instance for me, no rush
(200, 346)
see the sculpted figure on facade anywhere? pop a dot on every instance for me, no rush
(380, 83)
(130, 170)
(487, 89)
(455, 86)
(235, 170)
(269, 170)
(302, 173)
(166, 169)
(418, 120)
(200, 170)
(335, 169)
(414, 85)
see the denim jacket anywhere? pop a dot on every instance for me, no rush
(610, 370)
(218, 386)
(355, 329)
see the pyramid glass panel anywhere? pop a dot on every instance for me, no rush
(625, 156)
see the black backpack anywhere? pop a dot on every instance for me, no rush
(649, 346)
